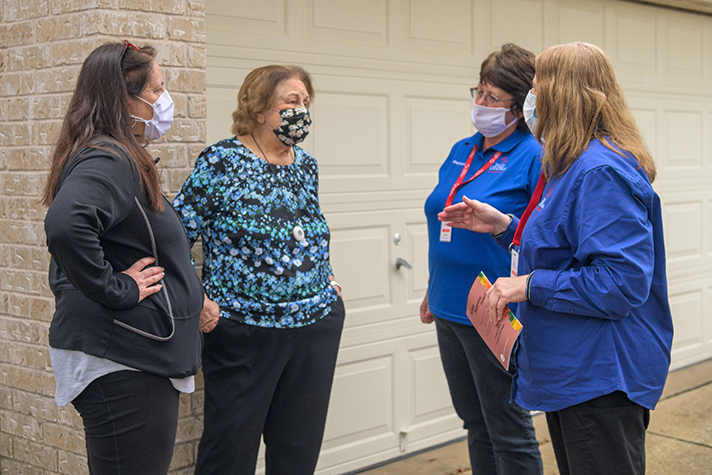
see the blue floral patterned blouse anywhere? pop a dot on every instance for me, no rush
(245, 210)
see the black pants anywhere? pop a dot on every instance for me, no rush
(267, 382)
(500, 434)
(130, 420)
(603, 436)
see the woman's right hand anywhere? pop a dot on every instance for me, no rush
(475, 216)
(425, 315)
(209, 316)
(146, 278)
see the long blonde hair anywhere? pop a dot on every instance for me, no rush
(578, 99)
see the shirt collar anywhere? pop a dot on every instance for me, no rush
(504, 146)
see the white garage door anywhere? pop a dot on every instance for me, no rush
(392, 79)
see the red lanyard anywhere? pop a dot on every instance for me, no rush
(463, 173)
(533, 202)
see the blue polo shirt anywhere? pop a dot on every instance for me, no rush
(598, 320)
(507, 185)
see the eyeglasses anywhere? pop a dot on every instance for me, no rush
(127, 46)
(487, 99)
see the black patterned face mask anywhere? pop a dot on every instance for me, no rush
(295, 125)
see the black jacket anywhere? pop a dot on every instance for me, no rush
(99, 224)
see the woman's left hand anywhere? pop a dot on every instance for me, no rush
(504, 291)
(336, 286)
(209, 316)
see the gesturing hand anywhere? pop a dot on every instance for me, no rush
(475, 216)
(146, 278)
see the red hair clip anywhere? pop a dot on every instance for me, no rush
(126, 42)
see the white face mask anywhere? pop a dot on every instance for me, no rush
(162, 116)
(489, 121)
(529, 110)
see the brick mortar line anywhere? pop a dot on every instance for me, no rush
(91, 36)
(104, 9)
(25, 294)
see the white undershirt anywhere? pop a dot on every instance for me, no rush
(75, 370)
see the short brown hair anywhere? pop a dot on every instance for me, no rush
(259, 90)
(578, 99)
(512, 70)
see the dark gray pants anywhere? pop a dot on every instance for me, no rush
(605, 435)
(130, 420)
(267, 382)
(500, 434)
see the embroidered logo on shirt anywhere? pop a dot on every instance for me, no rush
(499, 166)
(542, 203)
(455, 162)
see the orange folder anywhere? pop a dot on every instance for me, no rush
(499, 337)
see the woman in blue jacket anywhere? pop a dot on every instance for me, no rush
(595, 349)
(499, 164)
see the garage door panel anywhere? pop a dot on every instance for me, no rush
(364, 253)
(378, 418)
(361, 123)
(430, 397)
(362, 414)
(691, 303)
(687, 306)
(634, 41)
(383, 329)
(417, 249)
(683, 131)
(684, 49)
(263, 17)
(221, 102)
(433, 126)
(707, 230)
(364, 21)
(447, 28)
(357, 252)
(683, 232)
(523, 28)
(647, 121)
(577, 21)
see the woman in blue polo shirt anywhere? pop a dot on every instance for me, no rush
(499, 165)
(595, 349)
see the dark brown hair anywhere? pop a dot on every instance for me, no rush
(512, 70)
(259, 90)
(110, 74)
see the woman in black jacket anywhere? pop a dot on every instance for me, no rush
(124, 337)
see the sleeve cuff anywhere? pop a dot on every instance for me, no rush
(541, 287)
(505, 238)
(130, 300)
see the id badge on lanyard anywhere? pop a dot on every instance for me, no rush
(517, 239)
(514, 268)
(445, 230)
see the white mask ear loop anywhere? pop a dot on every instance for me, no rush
(162, 116)
(153, 111)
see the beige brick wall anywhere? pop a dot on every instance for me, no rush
(42, 46)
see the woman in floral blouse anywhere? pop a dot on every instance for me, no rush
(273, 313)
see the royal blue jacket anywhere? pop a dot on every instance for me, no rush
(598, 319)
(507, 185)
